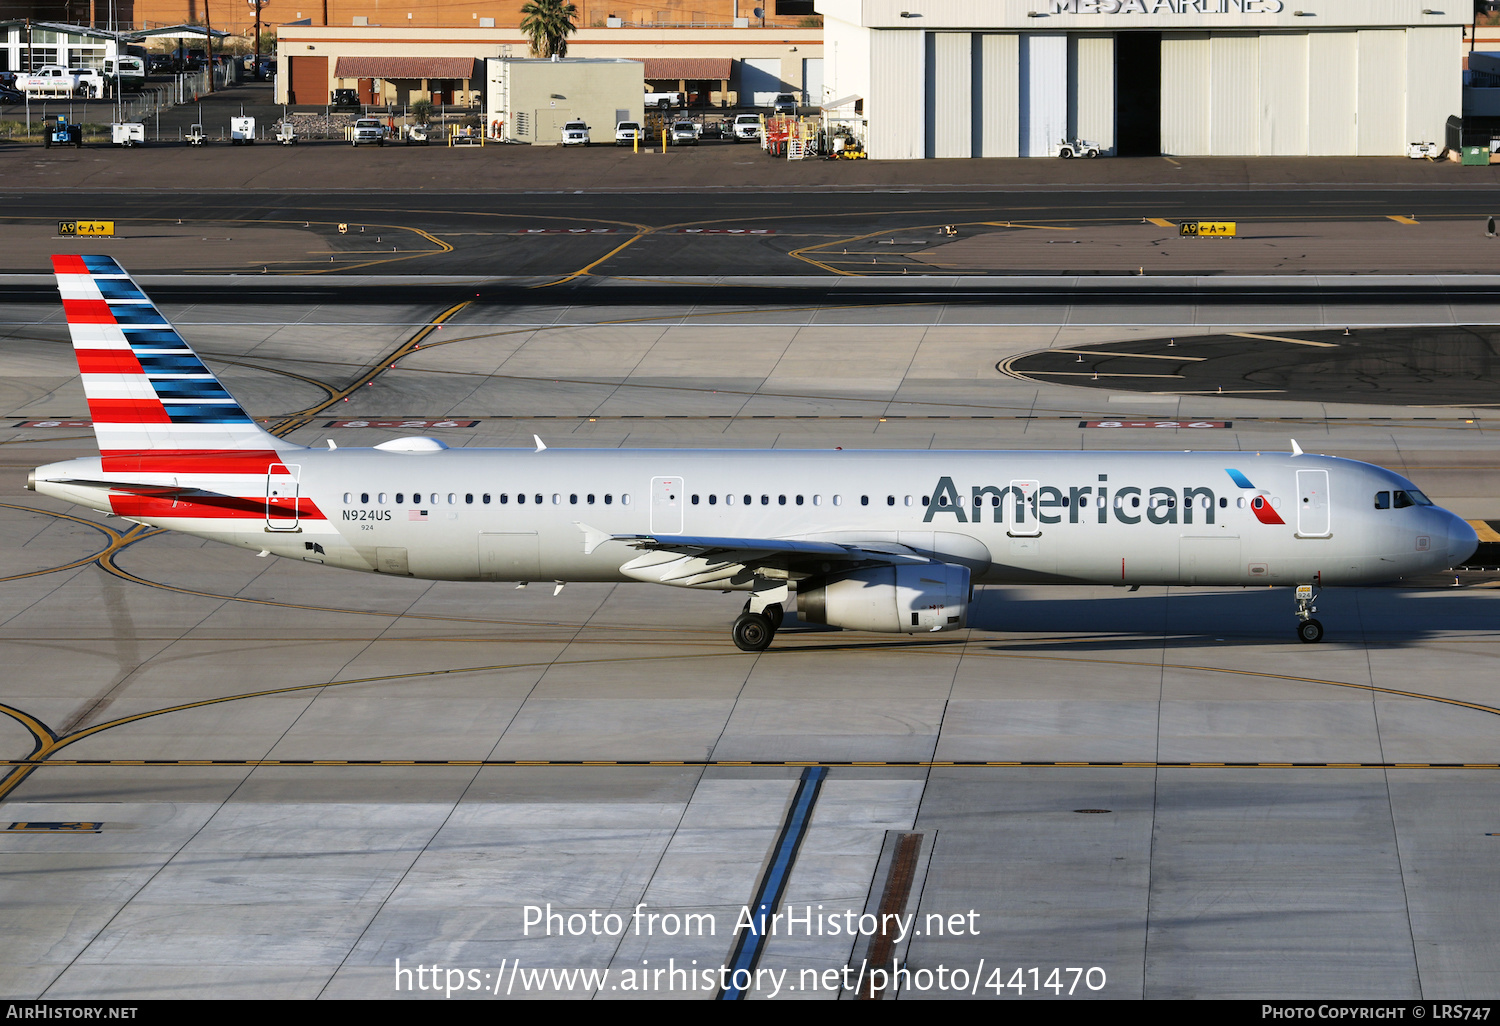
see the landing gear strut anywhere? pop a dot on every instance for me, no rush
(1308, 629)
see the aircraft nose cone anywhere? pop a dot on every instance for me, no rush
(1462, 540)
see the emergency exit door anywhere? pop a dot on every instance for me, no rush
(666, 505)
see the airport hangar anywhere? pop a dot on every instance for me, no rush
(1010, 78)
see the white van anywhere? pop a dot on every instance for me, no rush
(131, 71)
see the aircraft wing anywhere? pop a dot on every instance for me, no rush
(704, 559)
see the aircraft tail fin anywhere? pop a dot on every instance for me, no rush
(148, 392)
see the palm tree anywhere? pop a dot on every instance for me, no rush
(548, 23)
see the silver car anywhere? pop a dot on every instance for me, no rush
(684, 133)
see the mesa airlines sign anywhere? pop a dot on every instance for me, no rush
(1167, 6)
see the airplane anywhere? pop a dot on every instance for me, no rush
(885, 541)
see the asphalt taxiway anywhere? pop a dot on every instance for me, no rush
(243, 777)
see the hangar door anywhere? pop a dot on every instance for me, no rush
(760, 80)
(1044, 93)
(812, 80)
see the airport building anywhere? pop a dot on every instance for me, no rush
(1009, 78)
(718, 66)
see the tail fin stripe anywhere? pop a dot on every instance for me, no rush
(108, 361)
(127, 411)
(88, 311)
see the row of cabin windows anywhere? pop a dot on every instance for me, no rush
(436, 498)
(1382, 500)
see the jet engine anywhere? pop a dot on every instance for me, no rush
(904, 599)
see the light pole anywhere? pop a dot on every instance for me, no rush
(257, 5)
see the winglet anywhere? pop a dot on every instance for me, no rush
(1296, 449)
(540, 445)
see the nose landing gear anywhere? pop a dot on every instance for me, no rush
(1308, 629)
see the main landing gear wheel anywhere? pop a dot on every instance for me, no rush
(752, 632)
(1310, 631)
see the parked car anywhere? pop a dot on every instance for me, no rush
(627, 133)
(683, 133)
(345, 99)
(368, 130)
(785, 103)
(746, 127)
(414, 135)
(9, 95)
(575, 133)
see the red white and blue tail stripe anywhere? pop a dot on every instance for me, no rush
(146, 388)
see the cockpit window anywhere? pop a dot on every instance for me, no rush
(1404, 499)
(1418, 497)
(1382, 500)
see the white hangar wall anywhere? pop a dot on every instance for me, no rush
(1005, 78)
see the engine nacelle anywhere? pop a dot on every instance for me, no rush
(905, 599)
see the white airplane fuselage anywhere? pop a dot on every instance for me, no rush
(1081, 517)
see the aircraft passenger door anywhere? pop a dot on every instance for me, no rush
(1313, 511)
(283, 489)
(1019, 509)
(666, 505)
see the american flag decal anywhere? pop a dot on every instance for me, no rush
(416, 514)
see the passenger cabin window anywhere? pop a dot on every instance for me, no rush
(469, 498)
(486, 498)
(713, 500)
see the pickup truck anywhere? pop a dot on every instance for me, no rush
(746, 127)
(664, 101)
(367, 130)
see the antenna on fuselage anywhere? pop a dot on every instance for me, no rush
(1296, 449)
(540, 445)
